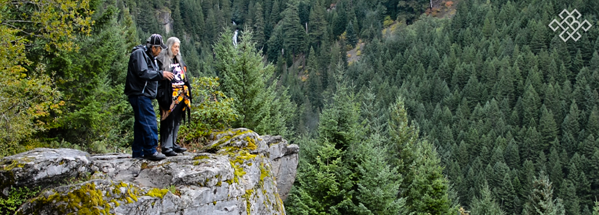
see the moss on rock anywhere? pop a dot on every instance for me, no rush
(155, 192)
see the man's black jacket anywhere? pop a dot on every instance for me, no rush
(143, 74)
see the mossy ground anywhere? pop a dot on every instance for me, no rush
(91, 198)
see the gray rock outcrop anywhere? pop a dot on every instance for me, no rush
(240, 173)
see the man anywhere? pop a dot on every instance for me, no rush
(141, 86)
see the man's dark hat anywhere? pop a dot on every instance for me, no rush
(156, 40)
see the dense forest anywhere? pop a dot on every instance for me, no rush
(470, 106)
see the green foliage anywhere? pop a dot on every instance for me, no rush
(485, 204)
(321, 184)
(16, 197)
(541, 199)
(426, 186)
(377, 181)
(245, 79)
(293, 31)
(352, 38)
(28, 93)
(317, 24)
(97, 116)
(211, 110)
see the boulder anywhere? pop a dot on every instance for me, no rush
(41, 167)
(240, 173)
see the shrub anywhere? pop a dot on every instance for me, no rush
(16, 197)
(210, 110)
(387, 22)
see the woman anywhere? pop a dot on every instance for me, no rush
(173, 97)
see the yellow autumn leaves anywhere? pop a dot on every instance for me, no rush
(28, 94)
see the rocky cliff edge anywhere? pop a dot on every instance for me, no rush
(240, 173)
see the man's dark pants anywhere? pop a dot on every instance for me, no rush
(145, 129)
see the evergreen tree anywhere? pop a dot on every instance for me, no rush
(377, 181)
(352, 38)
(548, 128)
(339, 120)
(294, 33)
(315, 88)
(541, 199)
(259, 26)
(317, 24)
(426, 187)
(339, 21)
(275, 44)
(245, 76)
(319, 182)
(485, 204)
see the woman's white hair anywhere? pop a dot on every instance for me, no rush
(166, 55)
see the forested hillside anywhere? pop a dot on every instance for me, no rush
(484, 111)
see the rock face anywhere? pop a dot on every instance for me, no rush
(240, 173)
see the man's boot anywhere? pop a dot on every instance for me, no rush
(155, 157)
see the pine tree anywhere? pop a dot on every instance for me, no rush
(403, 136)
(319, 181)
(527, 173)
(314, 87)
(425, 187)
(177, 20)
(571, 125)
(339, 21)
(211, 33)
(245, 76)
(317, 24)
(485, 204)
(352, 38)
(377, 181)
(339, 119)
(294, 33)
(337, 132)
(593, 121)
(548, 128)
(275, 44)
(275, 13)
(531, 104)
(259, 26)
(571, 203)
(541, 199)
(506, 195)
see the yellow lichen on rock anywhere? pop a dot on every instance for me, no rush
(247, 195)
(83, 200)
(155, 192)
(251, 143)
(238, 172)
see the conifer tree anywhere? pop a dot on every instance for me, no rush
(541, 200)
(317, 24)
(548, 128)
(259, 26)
(426, 186)
(319, 182)
(294, 33)
(352, 38)
(245, 78)
(314, 81)
(275, 44)
(485, 204)
(377, 181)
